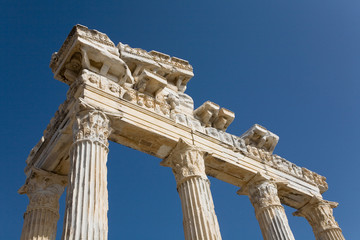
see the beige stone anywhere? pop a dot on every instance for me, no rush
(199, 219)
(263, 194)
(87, 196)
(141, 94)
(42, 214)
(319, 214)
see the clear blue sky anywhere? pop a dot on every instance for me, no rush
(291, 66)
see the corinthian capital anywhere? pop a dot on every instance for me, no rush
(43, 189)
(186, 161)
(319, 214)
(262, 192)
(92, 125)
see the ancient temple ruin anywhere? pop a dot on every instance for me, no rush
(137, 98)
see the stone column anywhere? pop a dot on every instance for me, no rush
(199, 218)
(44, 190)
(269, 212)
(319, 214)
(87, 194)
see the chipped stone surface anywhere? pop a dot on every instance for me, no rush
(261, 138)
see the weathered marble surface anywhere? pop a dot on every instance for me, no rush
(87, 194)
(42, 214)
(263, 194)
(199, 218)
(319, 214)
(142, 95)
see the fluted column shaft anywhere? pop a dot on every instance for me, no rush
(87, 195)
(199, 218)
(269, 212)
(44, 190)
(319, 214)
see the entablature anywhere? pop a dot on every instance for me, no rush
(147, 90)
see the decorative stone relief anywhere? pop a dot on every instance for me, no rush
(92, 125)
(263, 193)
(101, 82)
(194, 124)
(239, 144)
(156, 82)
(284, 165)
(259, 154)
(186, 161)
(44, 190)
(213, 132)
(199, 218)
(106, 65)
(257, 143)
(174, 101)
(226, 138)
(130, 95)
(154, 59)
(319, 214)
(316, 178)
(153, 85)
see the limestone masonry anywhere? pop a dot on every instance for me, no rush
(137, 98)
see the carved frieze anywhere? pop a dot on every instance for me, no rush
(239, 144)
(226, 138)
(156, 82)
(286, 166)
(212, 132)
(101, 82)
(152, 57)
(150, 86)
(176, 71)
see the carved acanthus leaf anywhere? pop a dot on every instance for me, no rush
(43, 189)
(262, 192)
(319, 213)
(186, 161)
(92, 125)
